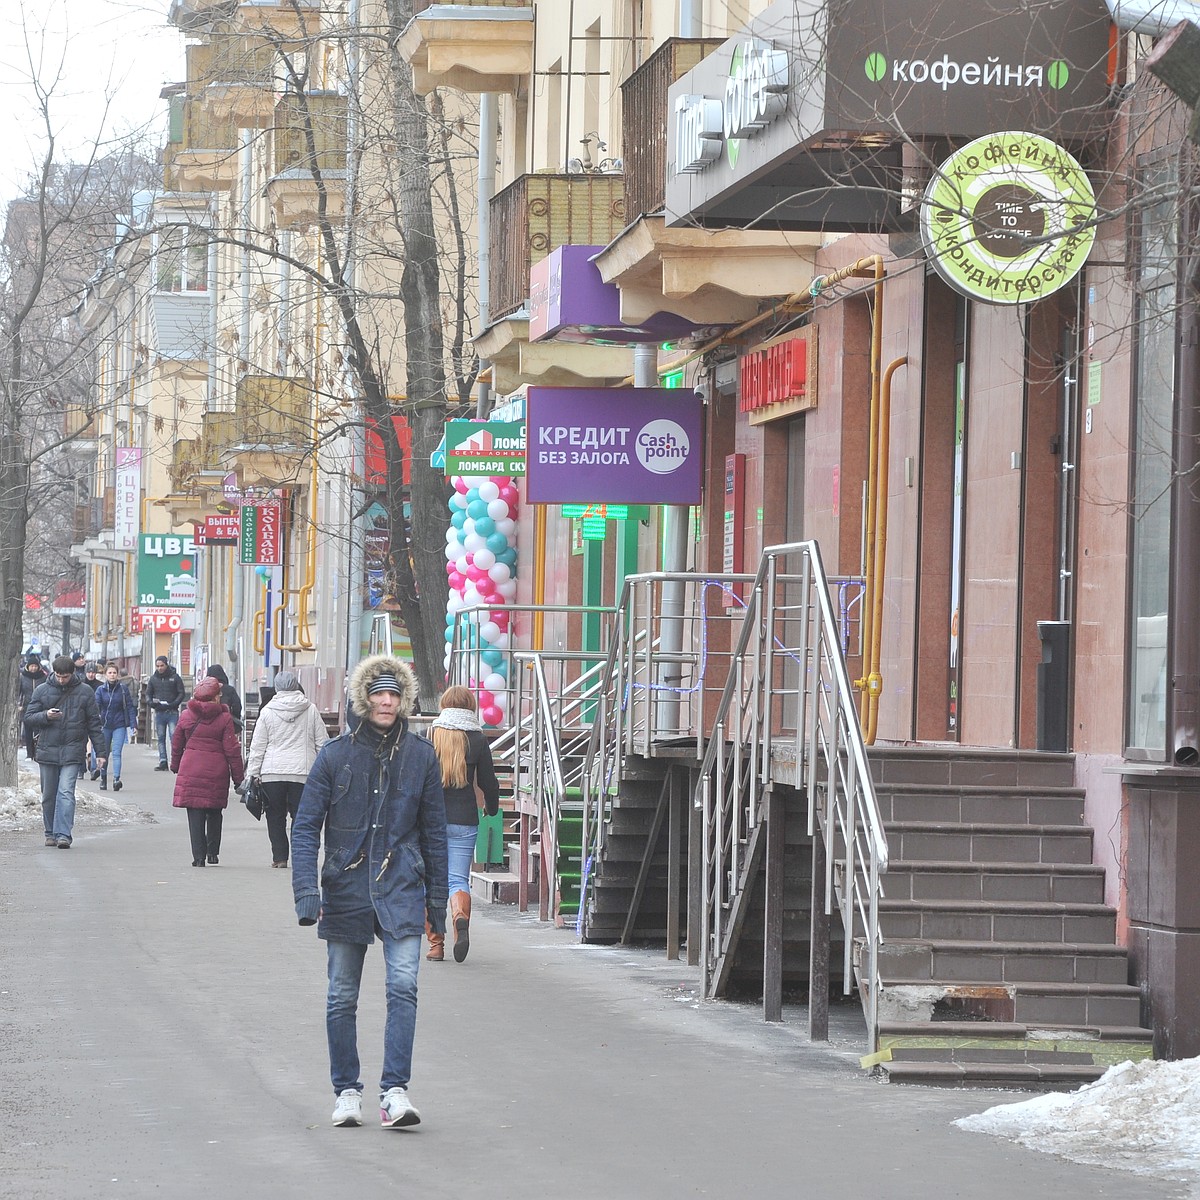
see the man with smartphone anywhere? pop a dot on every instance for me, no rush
(63, 717)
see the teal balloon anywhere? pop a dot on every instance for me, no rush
(497, 543)
(450, 619)
(485, 526)
(477, 510)
(458, 518)
(450, 634)
(509, 556)
(472, 494)
(493, 658)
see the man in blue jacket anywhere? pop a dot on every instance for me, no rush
(376, 792)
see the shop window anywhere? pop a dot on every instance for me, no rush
(1150, 498)
(181, 260)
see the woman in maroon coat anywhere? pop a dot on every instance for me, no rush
(205, 756)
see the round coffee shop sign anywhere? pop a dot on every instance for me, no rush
(1008, 218)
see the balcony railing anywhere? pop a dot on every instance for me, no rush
(419, 6)
(325, 114)
(273, 411)
(644, 125)
(537, 213)
(187, 461)
(230, 58)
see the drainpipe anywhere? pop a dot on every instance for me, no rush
(247, 165)
(1184, 643)
(487, 185)
(213, 292)
(284, 324)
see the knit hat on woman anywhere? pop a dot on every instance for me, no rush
(207, 689)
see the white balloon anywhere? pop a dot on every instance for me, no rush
(489, 492)
(451, 535)
(508, 589)
(474, 542)
(470, 595)
(489, 631)
(452, 551)
(467, 530)
(483, 558)
(500, 642)
(502, 701)
(499, 572)
(458, 500)
(497, 509)
(507, 526)
(495, 683)
(454, 602)
(461, 564)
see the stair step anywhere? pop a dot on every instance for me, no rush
(997, 920)
(987, 843)
(945, 961)
(1027, 1076)
(951, 804)
(967, 765)
(1052, 1003)
(935, 879)
(495, 887)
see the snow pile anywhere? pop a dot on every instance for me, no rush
(1142, 1117)
(21, 807)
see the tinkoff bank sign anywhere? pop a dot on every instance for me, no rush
(1009, 218)
(615, 446)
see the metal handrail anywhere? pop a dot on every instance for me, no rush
(831, 768)
(547, 784)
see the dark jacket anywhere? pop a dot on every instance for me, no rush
(205, 755)
(63, 740)
(29, 683)
(377, 798)
(462, 805)
(164, 693)
(229, 696)
(117, 709)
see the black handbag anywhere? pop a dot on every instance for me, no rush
(253, 798)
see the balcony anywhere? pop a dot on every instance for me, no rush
(233, 75)
(78, 421)
(478, 46)
(536, 213)
(206, 157)
(645, 117)
(281, 18)
(294, 191)
(187, 461)
(272, 435)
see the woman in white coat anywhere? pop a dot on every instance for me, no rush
(287, 735)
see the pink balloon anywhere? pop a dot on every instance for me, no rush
(451, 569)
(460, 485)
(501, 619)
(491, 715)
(508, 493)
(475, 574)
(456, 580)
(472, 682)
(486, 699)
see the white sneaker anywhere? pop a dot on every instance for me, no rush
(348, 1109)
(396, 1109)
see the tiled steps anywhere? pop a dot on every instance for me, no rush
(999, 964)
(1005, 1054)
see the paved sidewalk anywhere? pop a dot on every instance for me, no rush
(162, 1035)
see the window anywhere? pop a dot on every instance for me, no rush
(1150, 498)
(181, 260)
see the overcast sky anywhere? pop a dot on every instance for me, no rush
(103, 63)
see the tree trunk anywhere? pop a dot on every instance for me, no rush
(14, 487)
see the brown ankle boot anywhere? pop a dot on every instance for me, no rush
(460, 914)
(437, 945)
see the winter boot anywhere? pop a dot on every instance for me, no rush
(104, 781)
(437, 945)
(460, 914)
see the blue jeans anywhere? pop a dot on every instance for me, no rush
(116, 742)
(401, 957)
(164, 726)
(58, 797)
(460, 853)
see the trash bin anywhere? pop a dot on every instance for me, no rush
(1053, 673)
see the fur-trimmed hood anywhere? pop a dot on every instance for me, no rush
(370, 669)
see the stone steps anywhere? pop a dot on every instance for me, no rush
(1001, 920)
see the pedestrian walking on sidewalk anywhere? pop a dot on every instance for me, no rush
(63, 715)
(229, 695)
(206, 756)
(465, 759)
(32, 674)
(288, 734)
(118, 715)
(385, 866)
(164, 694)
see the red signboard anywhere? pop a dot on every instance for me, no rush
(219, 530)
(774, 375)
(159, 620)
(375, 468)
(262, 533)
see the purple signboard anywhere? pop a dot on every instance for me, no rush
(570, 302)
(613, 446)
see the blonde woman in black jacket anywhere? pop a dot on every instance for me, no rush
(465, 759)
